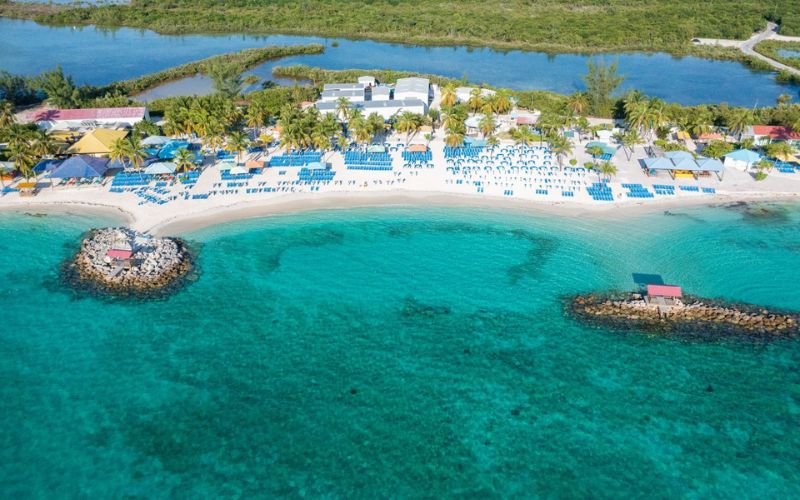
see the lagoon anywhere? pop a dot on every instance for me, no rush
(99, 56)
(406, 352)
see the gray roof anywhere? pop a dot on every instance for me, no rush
(412, 85)
(381, 90)
(342, 86)
(367, 105)
(343, 93)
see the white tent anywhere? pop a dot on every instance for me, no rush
(160, 168)
(155, 140)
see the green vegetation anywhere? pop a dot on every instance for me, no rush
(770, 49)
(555, 25)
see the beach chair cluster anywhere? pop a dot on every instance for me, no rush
(226, 175)
(600, 191)
(462, 151)
(295, 159)
(689, 189)
(786, 167)
(189, 178)
(363, 160)
(664, 189)
(131, 179)
(637, 191)
(314, 175)
(417, 156)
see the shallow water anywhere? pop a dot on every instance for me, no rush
(99, 56)
(402, 352)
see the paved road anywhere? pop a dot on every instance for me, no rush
(746, 46)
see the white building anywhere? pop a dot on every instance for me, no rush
(367, 81)
(387, 109)
(342, 86)
(381, 93)
(352, 95)
(70, 119)
(464, 93)
(413, 88)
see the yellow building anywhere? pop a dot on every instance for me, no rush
(97, 142)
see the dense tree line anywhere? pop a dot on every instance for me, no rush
(553, 25)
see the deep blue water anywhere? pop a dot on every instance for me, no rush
(404, 353)
(99, 56)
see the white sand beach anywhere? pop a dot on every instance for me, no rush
(276, 190)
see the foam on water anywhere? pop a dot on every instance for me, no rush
(402, 352)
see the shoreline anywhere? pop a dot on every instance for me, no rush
(186, 221)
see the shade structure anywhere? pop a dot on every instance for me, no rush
(678, 155)
(98, 141)
(684, 164)
(155, 140)
(709, 165)
(315, 164)
(80, 166)
(417, 148)
(671, 291)
(478, 143)
(744, 155)
(658, 163)
(472, 122)
(170, 148)
(47, 165)
(160, 168)
(254, 164)
(236, 170)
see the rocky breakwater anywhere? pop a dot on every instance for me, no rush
(122, 262)
(690, 315)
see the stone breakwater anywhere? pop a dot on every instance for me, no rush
(122, 262)
(692, 316)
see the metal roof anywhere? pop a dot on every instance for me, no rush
(396, 103)
(343, 93)
(342, 86)
(412, 85)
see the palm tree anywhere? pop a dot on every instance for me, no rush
(409, 123)
(343, 108)
(449, 95)
(454, 138)
(492, 140)
(487, 125)
(119, 151)
(502, 103)
(376, 125)
(136, 152)
(23, 159)
(578, 103)
(475, 102)
(738, 120)
(596, 152)
(184, 160)
(342, 142)
(238, 142)
(42, 144)
(629, 140)
(779, 149)
(522, 135)
(561, 146)
(608, 169)
(7, 117)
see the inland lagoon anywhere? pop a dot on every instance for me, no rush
(401, 351)
(99, 56)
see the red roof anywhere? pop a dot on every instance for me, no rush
(776, 132)
(525, 120)
(664, 291)
(417, 148)
(89, 114)
(116, 253)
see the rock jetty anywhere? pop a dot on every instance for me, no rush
(123, 262)
(689, 315)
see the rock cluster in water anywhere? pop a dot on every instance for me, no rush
(155, 264)
(692, 316)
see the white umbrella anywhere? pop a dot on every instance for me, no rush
(161, 167)
(155, 140)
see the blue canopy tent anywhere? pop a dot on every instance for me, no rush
(80, 166)
(678, 155)
(742, 158)
(47, 165)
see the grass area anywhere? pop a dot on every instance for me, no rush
(547, 25)
(772, 48)
(239, 62)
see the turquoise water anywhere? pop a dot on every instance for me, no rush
(92, 56)
(789, 53)
(400, 352)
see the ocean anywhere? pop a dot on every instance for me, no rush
(401, 352)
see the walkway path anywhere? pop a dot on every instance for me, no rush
(746, 46)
